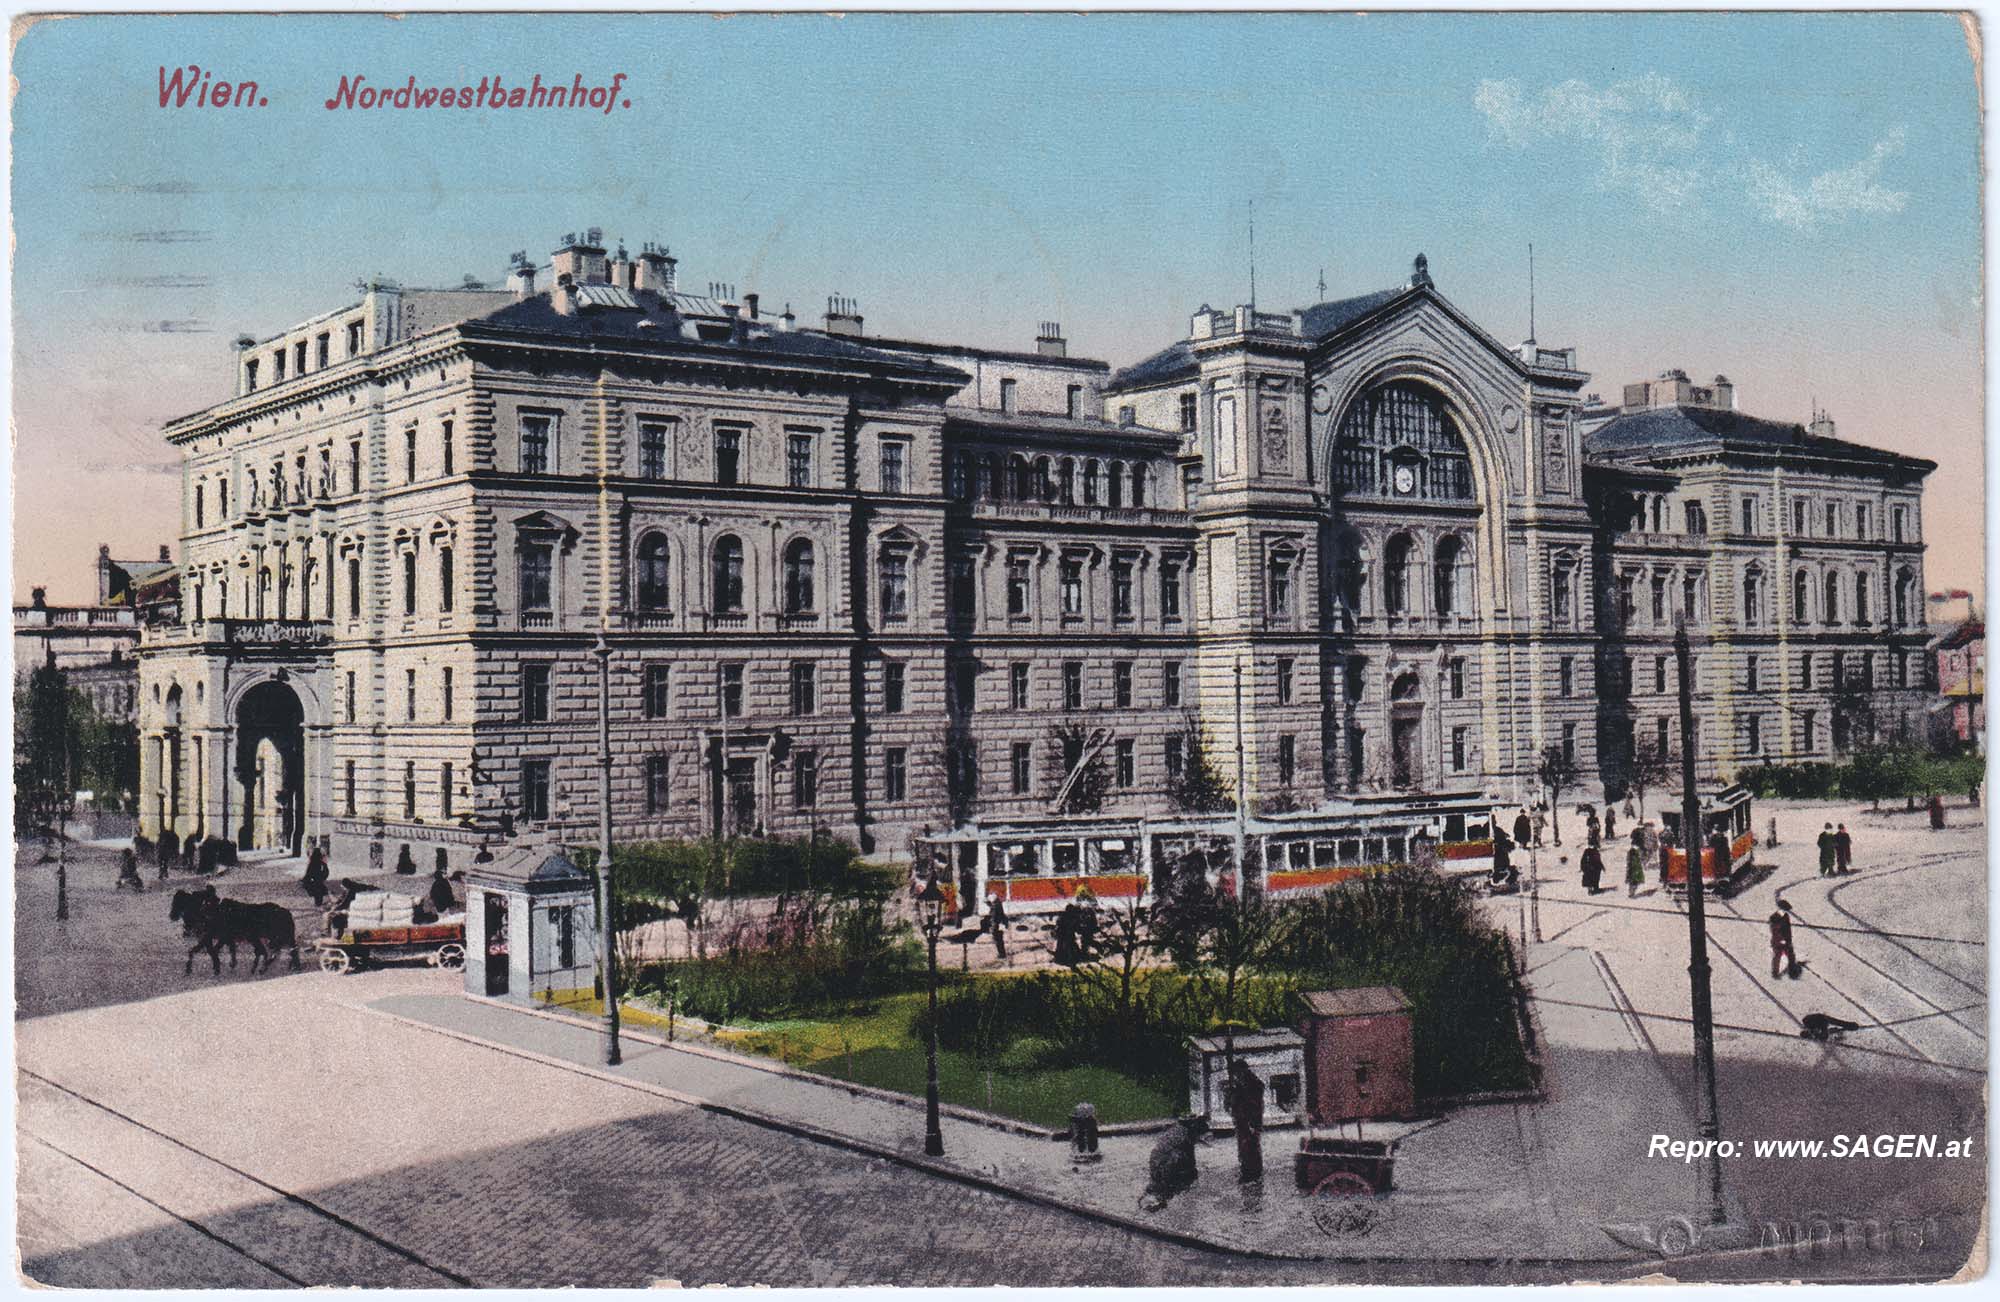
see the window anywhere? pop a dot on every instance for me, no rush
(1566, 676)
(652, 449)
(1072, 587)
(537, 571)
(535, 692)
(410, 582)
(1750, 673)
(1457, 671)
(1090, 476)
(1695, 517)
(799, 460)
(1008, 389)
(1017, 686)
(409, 789)
(964, 685)
(444, 791)
(1121, 589)
(1898, 521)
(1281, 586)
(563, 922)
(1659, 673)
(805, 779)
(963, 588)
(409, 696)
(1170, 591)
(1806, 670)
(445, 694)
(1017, 767)
(1458, 748)
(1832, 587)
(410, 455)
(1753, 596)
(1559, 593)
(726, 575)
(277, 366)
(1072, 680)
(1396, 576)
(894, 778)
(353, 471)
(805, 687)
(1809, 729)
(1627, 604)
(447, 580)
(1285, 680)
(1569, 743)
(1073, 401)
(348, 785)
(1691, 605)
(322, 351)
(895, 580)
(1189, 405)
(1838, 678)
(1356, 677)
(728, 454)
(1127, 415)
(1124, 765)
(352, 696)
(1176, 752)
(197, 506)
(1750, 513)
(1754, 734)
(654, 688)
(1861, 598)
(894, 454)
(1659, 598)
(1170, 686)
(250, 375)
(892, 687)
(535, 791)
(537, 438)
(1017, 586)
(1121, 685)
(799, 595)
(1862, 520)
(656, 784)
(353, 338)
(1799, 516)
(1833, 519)
(1287, 759)
(732, 691)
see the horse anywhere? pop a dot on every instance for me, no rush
(267, 928)
(188, 910)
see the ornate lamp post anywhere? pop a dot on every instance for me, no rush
(930, 915)
(607, 899)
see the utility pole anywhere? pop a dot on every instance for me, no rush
(607, 930)
(1242, 794)
(1709, 1123)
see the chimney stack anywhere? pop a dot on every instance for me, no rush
(843, 316)
(621, 269)
(1822, 426)
(582, 260)
(39, 598)
(654, 269)
(1725, 393)
(166, 552)
(1049, 341)
(521, 276)
(750, 302)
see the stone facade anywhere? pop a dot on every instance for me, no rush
(860, 583)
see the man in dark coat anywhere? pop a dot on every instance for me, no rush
(1066, 935)
(441, 897)
(1593, 868)
(1524, 832)
(1504, 871)
(1843, 851)
(1782, 957)
(1246, 1114)
(996, 922)
(1828, 849)
(316, 876)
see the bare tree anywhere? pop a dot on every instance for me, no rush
(1070, 751)
(1557, 774)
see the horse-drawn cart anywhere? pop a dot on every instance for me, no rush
(380, 927)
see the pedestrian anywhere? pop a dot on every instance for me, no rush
(996, 922)
(1719, 856)
(1635, 870)
(1827, 851)
(1504, 872)
(1593, 830)
(1541, 821)
(315, 876)
(1592, 863)
(1246, 1114)
(1843, 850)
(1066, 936)
(1524, 832)
(1610, 823)
(1782, 957)
(1937, 812)
(128, 871)
(442, 898)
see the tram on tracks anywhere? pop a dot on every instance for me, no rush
(1038, 864)
(1728, 839)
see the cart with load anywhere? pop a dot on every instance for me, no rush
(380, 927)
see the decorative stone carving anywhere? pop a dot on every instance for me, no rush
(1277, 441)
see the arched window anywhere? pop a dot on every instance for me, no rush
(1861, 598)
(1411, 423)
(1396, 575)
(799, 577)
(1066, 482)
(1024, 480)
(1832, 611)
(263, 592)
(1138, 484)
(726, 576)
(1448, 576)
(1801, 597)
(1114, 483)
(1090, 482)
(653, 571)
(1045, 488)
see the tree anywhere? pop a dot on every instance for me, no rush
(1557, 774)
(1070, 750)
(1653, 767)
(45, 755)
(1120, 946)
(1199, 788)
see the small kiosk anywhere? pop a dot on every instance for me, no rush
(530, 927)
(1359, 1054)
(1275, 1057)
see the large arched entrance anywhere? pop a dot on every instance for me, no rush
(1406, 731)
(270, 768)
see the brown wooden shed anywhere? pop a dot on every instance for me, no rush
(1360, 1057)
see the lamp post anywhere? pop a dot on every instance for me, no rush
(1700, 1008)
(930, 915)
(606, 924)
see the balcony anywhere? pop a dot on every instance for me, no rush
(538, 619)
(244, 632)
(1158, 517)
(649, 619)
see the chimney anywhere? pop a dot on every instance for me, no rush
(521, 276)
(621, 269)
(654, 269)
(166, 552)
(1049, 342)
(750, 302)
(582, 260)
(563, 296)
(39, 598)
(788, 322)
(1725, 393)
(843, 317)
(1822, 426)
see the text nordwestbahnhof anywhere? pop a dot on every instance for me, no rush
(196, 87)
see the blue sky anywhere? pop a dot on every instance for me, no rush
(1792, 199)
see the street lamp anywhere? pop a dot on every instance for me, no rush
(930, 916)
(607, 899)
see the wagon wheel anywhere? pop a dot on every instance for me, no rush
(336, 961)
(451, 957)
(1343, 1184)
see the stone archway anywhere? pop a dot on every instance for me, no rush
(1406, 733)
(270, 768)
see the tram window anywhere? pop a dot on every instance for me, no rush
(1112, 856)
(1476, 832)
(1064, 856)
(1301, 854)
(1454, 827)
(1350, 851)
(1371, 849)
(1323, 854)
(1397, 849)
(1029, 859)
(1274, 856)
(996, 861)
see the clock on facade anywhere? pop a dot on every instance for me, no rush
(1406, 479)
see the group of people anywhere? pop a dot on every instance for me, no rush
(1836, 852)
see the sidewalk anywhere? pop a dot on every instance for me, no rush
(1517, 1182)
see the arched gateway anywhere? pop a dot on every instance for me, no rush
(270, 768)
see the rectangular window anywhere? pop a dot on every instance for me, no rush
(1659, 598)
(353, 467)
(1569, 743)
(1862, 520)
(1072, 588)
(1458, 678)
(299, 358)
(799, 460)
(1126, 767)
(444, 791)
(535, 692)
(409, 696)
(1017, 686)
(1189, 404)
(1356, 677)
(805, 687)
(1566, 676)
(1458, 748)
(1805, 670)
(1121, 589)
(1017, 586)
(351, 696)
(322, 351)
(1808, 730)
(652, 449)
(1176, 757)
(1018, 768)
(1073, 401)
(410, 789)
(1799, 510)
(448, 450)
(1659, 673)
(1072, 678)
(410, 582)
(535, 791)
(964, 685)
(410, 455)
(537, 442)
(732, 691)
(895, 581)
(197, 506)
(537, 571)
(1170, 591)
(728, 455)
(250, 375)
(805, 779)
(894, 776)
(277, 366)
(1754, 734)
(962, 588)
(892, 687)
(654, 690)
(1285, 680)
(445, 694)
(894, 455)
(354, 339)
(656, 784)
(563, 922)
(1170, 685)
(1007, 394)
(348, 788)
(1750, 673)
(1833, 519)
(1660, 727)
(1288, 758)
(1898, 521)
(1749, 514)
(1695, 517)
(1121, 685)
(447, 580)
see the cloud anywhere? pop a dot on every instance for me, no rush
(1645, 133)
(1832, 195)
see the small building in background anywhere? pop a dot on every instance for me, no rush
(530, 927)
(1276, 1057)
(1960, 711)
(1359, 1054)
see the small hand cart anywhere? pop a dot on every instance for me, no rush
(379, 927)
(1344, 1168)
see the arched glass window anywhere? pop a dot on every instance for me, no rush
(1114, 483)
(1024, 480)
(1801, 597)
(726, 576)
(1832, 611)
(1411, 422)
(653, 570)
(799, 577)
(1448, 577)
(1045, 487)
(1396, 575)
(1861, 598)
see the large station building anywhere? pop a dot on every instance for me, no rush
(867, 584)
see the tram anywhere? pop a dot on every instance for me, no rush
(1038, 864)
(1728, 841)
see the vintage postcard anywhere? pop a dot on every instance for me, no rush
(984, 649)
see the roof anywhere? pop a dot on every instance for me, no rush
(1971, 630)
(1038, 423)
(1279, 1038)
(1176, 361)
(1673, 429)
(534, 869)
(1355, 1001)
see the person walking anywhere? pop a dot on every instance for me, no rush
(1827, 851)
(1246, 1114)
(1592, 863)
(996, 922)
(1504, 872)
(1610, 823)
(442, 898)
(1782, 957)
(1593, 830)
(1541, 818)
(1843, 851)
(1635, 870)
(1524, 832)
